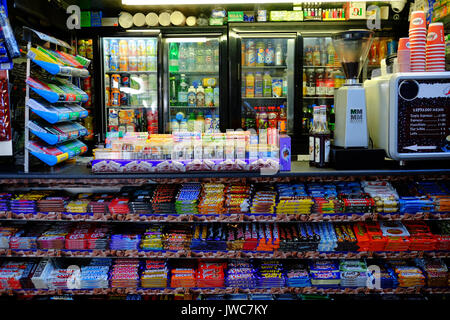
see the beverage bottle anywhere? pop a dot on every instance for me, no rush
(208, 124)
(208, 57)
(192, 97)
(282, 120)
(311, 82)
(251, 54)
(260, 54)
(270, 54)
(123, 48)
(107, 90)
(200, 57)
(374, 58)
(183, 57)
(199, 125)
(150, 48)
(309, 56)
(183, 125)
(323, 56)
(316, 56)
(320, 83)
(243, 54)
(216, 97)
(312, 136)
(250, 119)
(322, 140)
(200, 97)
(183, 91)
(250, 85)
(285, 86)
(173, 57)
(175, 125)
(256, 111)
(329, 83)
(88, 124)
(191, 57)
(304, 83)
(267, 85)
(382, 49)
(216, 57)
(258, 85)
(331, 53)
(263, 121)
(191, 122)
(172, 90)
(243, 117)
(209, 97)
(305, 120)
(272, 118)
(278, 55)
(332, 119)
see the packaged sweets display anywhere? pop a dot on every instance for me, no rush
(324, 273)
(124, 273)
(154, 274)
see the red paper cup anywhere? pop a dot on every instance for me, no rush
(403, 44)
(436, 45)
(417, 20)
(436, 33)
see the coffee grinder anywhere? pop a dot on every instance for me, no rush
(351, 138)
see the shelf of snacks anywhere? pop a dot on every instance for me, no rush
(57, 133)
(57, 90)
(158, 276)
(53, 155)
(57, 113)
(51, 61)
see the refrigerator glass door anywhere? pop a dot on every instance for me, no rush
(322, 74)
(267, 82)
(192, 92)
(131, 84)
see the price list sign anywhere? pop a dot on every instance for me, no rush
(423, 116)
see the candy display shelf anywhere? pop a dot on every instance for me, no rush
(233, 254)
(230, 290)
(63, 145)
(220, 218)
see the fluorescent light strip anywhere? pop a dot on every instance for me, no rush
(217, 2)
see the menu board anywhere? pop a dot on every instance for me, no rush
(423, 116)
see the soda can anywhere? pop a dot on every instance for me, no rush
(107, 97)
(107, 82)
(150, 47)
(115, 81)
(141, 48)
(107, 63)
(115, 98)
(123, 48)
(114, 63)
(132, 63)
(123, 63)
(132, 48)
(125, 81)
(124, 98)
(391, 47)
(114, 48)
(106, 46)
(141, 63)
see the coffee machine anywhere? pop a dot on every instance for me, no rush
(352, 48)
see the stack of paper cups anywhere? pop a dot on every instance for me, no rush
(435, 54)
(417, 41)
(403, 55)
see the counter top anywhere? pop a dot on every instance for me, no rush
(299, 169)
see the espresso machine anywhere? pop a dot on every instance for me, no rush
(351, 136)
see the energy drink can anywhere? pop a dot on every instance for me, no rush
(114, 48)
(115, 81)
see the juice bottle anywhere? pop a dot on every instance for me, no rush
(251, 54)
(270, 54)
(267, 85)
(256, 117)
(308, 56)
(200, 97)
(263, 120)
(272, 118)
(209, 97)
(250, 119)
(191, 122)
(331, 53)
(282, 120)
(304, 83)
(191, 97)
(258, 85)
(260, 54)
(316, 56)
(250, 85)
(199, 125)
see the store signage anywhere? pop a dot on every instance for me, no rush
(423, 116)
(74, 20)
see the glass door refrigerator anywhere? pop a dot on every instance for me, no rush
(194, 82)
(130, 84)
(263, 84)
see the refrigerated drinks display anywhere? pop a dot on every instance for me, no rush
(267, 83)
(192, 97)
(322, 74)
(130, 84)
